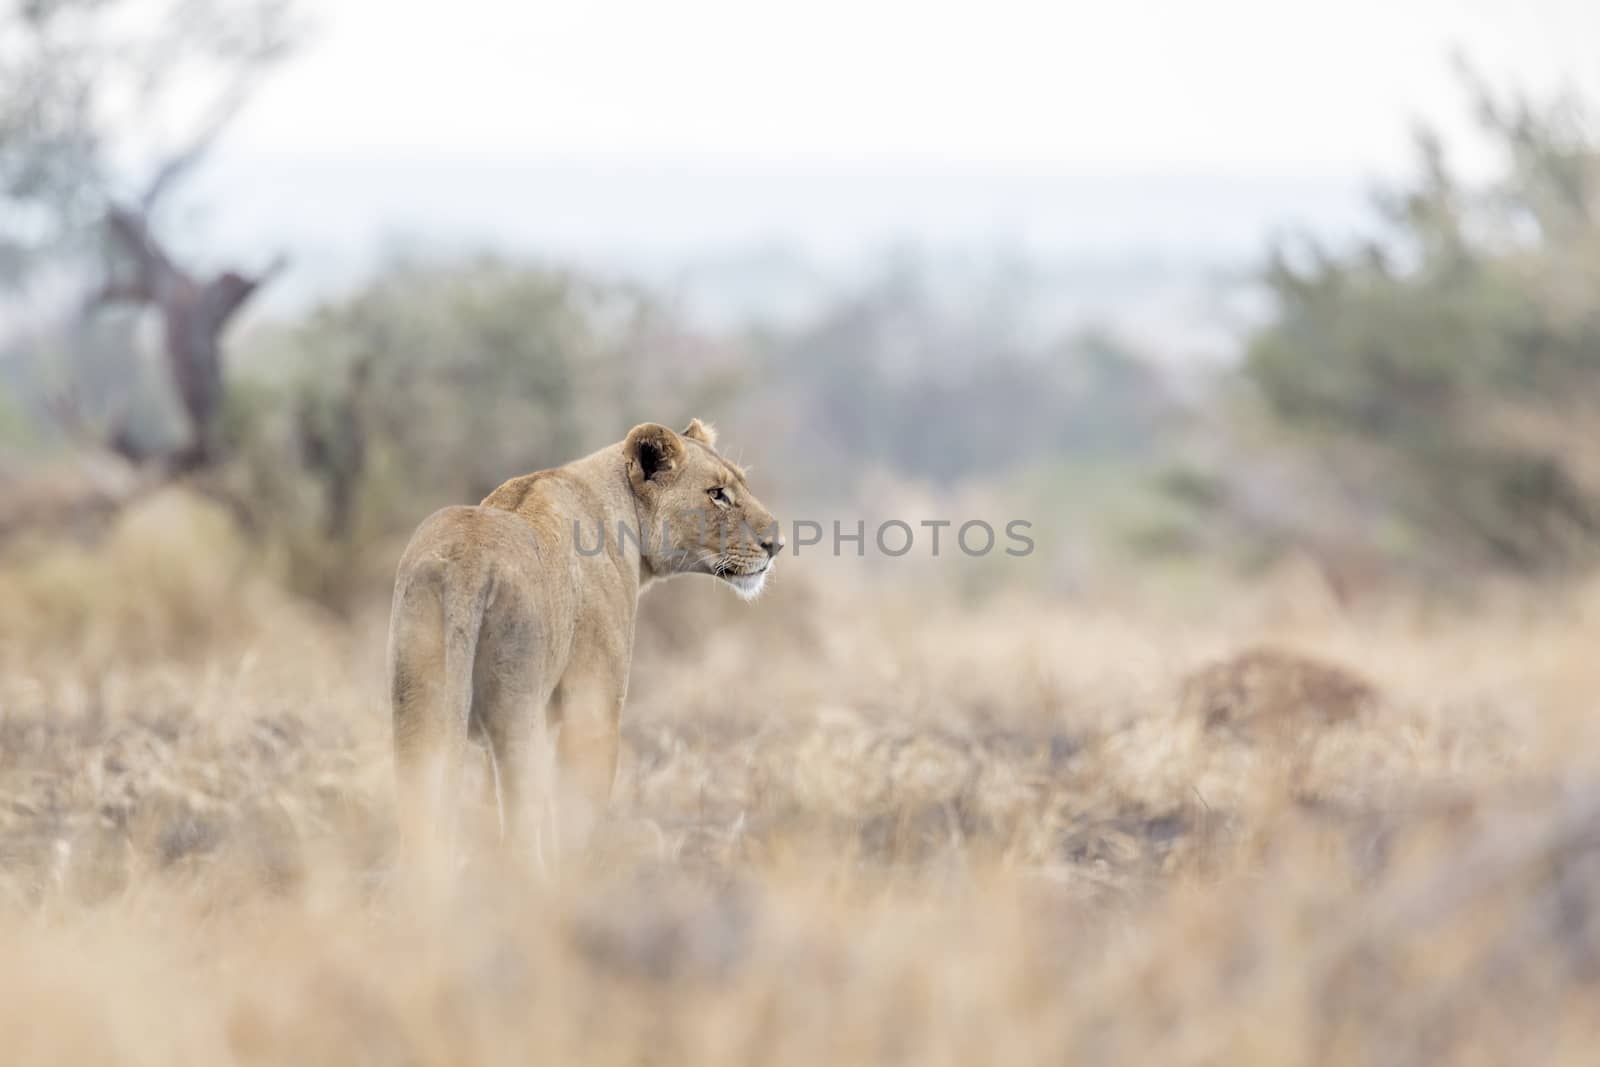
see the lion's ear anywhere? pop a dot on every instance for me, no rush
(703, 432)
(654, 453)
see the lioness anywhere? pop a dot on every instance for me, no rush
(514, 620)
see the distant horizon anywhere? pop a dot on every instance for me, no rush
(730, 232)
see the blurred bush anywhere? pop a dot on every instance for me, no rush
(1433, 395)
(950, 386)
(170, 575)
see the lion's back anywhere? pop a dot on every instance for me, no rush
(463, 535)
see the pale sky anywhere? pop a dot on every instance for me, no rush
(1283, 86)
(644, 134)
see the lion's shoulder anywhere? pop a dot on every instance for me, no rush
(512, 494)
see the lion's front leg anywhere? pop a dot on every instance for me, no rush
(589, 705)
(515, 721)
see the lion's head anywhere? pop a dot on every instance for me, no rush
(697, 510)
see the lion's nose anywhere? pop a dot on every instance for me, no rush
(773, 543)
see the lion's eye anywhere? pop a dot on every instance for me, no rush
(720, 495)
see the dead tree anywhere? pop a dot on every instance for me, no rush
(64, 54)
(194, 314)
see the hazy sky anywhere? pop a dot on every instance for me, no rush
(1284, 86)
(644, 133)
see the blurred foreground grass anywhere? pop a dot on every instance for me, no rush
(853, 825)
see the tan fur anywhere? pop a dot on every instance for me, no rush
(503, 627)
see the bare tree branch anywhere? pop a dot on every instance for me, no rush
(130, 228)
(184, 160)
(126, 292)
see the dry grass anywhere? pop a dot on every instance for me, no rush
(851, 827)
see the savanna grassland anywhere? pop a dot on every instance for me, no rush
(856, 823)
